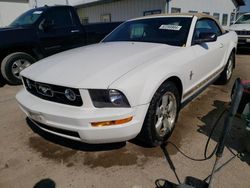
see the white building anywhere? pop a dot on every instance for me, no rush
(91, 11)
(10, 9)
(40, 3)
(120, 10)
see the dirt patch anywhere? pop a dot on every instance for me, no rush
(121, 157)
(149, 152)
(51, 151)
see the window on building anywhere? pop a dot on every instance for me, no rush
(175, 10)
(151, 12)
(208, 13)
(216, 16)
(85, 20)
(106, 18)
(193, 11)
(224, 19)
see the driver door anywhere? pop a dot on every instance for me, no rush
(57, 36)
(209, 56)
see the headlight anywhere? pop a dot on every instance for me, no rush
(108, 98)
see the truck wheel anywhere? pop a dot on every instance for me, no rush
(228, 71)
(13, 64)
(161, 116)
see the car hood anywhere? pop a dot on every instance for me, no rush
(95, 66)
(238, 27)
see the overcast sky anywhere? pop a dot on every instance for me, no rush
(247, 7)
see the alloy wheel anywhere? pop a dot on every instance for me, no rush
(166, 112)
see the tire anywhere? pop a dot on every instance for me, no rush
(149, 134)
(13, 64)
(227, 73)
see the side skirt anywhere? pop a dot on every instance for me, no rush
(192, 97)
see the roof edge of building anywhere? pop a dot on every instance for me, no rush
(93, 3)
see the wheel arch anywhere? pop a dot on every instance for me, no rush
(173, 78)
(177, 81)
(25, 49)
(234, 52)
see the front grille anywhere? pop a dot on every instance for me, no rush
(243, 32)
(57, 130)
(52, 93)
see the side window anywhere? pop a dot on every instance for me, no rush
(206, 26)
(60, 17)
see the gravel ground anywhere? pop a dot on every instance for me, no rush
(28, 155)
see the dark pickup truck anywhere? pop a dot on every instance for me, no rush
(41, 32)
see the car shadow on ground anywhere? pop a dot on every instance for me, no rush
(2, 81)
(238, 138)
(74, 144)
(45, 183)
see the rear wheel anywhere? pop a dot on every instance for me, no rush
(161, 116)
(13, 64)
(228, 71)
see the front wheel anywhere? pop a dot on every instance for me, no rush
(13, 64)
(161, 116)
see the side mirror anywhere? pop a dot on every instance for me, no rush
(205, 37)
(47, 25)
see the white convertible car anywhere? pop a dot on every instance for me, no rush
(133, 83)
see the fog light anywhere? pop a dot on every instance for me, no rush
(110, 123)
(70, 95)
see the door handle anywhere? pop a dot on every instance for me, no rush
(75, 31)
(221, 45)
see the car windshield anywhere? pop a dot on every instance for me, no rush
(167, 30)
(27, 18)
(245, 19)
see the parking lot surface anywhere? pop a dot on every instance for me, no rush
(28, 155)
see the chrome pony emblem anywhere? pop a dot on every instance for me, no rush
(45, 90)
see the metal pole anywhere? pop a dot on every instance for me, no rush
(35, 4)
(167, 6)
(227, 126)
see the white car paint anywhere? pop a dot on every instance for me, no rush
(243, 31)
(136, 69)
(89, 70)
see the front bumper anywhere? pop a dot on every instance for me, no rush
(62, 119)
(243, 41)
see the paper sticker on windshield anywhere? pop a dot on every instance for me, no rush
(171, 27)
(37, 12)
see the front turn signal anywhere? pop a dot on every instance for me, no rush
(110, 123)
